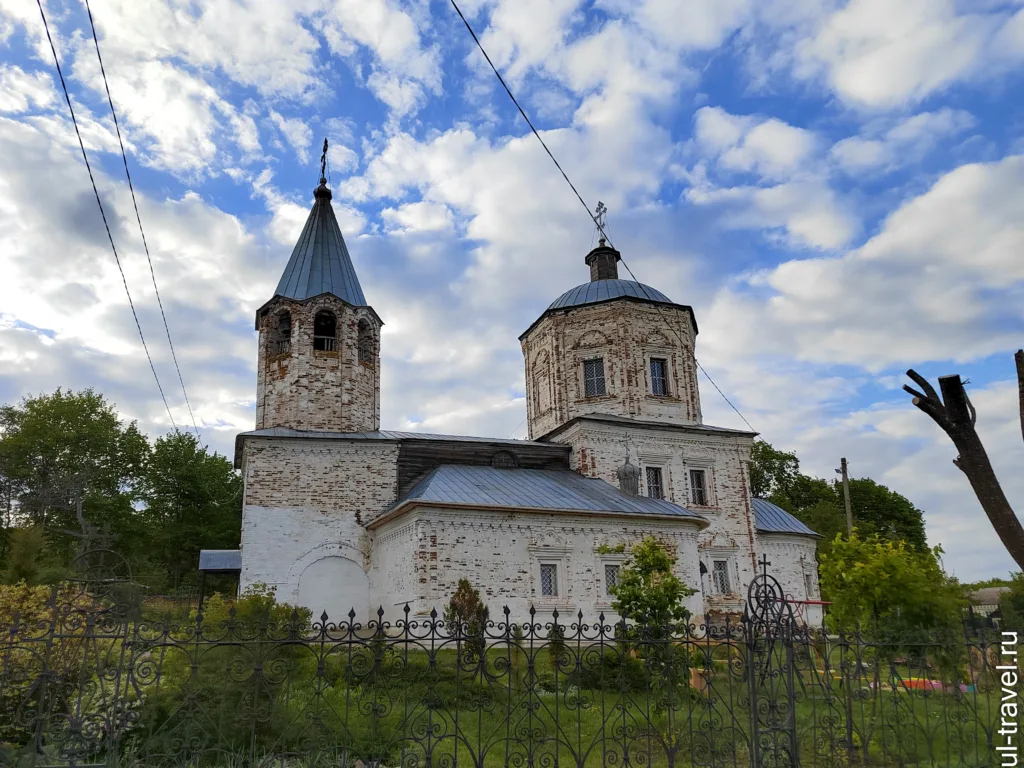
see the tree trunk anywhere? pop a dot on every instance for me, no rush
(1019, 360)
(957, 417)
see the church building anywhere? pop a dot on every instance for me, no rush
(341, 515)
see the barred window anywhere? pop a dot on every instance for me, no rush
(655, 489)
(549, 579)
(659, 376)
(698, 487)
(720, 576)
(611, 578)
(593, 377)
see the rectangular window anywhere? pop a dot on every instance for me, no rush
(809, 585)
(698, 488)
(655, 489)
(720, 576)
(593, 377)
(549, 579)
(659, 376)
(611, 578)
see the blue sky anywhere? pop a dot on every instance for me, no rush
(835, 187)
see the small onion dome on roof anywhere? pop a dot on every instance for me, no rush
(629, 478)
(322, 191)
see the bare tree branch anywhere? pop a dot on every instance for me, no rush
(922, 382)
(1019, 359)
(957, 417)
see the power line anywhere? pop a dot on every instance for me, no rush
(586, 207)
(103, 213)
(138, 218)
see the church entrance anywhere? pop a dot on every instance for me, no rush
(336, 585)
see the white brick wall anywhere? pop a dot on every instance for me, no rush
(625, 334)
(500, 552)
(308, 499)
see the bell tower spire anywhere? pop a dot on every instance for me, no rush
(319, 351)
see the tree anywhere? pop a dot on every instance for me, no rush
(771, 471)
(880, 583)
(819, 503)
(56, 448)
(466, 616)
(1011, 604)
(647, 591)
(955, 414)
(193, 501)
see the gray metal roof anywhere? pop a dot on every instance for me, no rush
(220, 560)
(768, 518)
(645, 424)
(382, 435)
(532, 489)
(605, 290)
(320, 262)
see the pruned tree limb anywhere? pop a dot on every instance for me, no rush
(1018, 358)
(957, 417)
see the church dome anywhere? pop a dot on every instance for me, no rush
(596, 291)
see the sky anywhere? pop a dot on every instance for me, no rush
(836, 188)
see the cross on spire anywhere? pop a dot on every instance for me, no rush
(600, 216)
(323, 164)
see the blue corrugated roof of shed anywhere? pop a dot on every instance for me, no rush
(320, 262)
(220, 560)
(476, 486)
(769, 518)
(603, 290)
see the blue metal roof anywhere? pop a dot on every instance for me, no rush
(769, 518)
(605, 290)
(476, 486)
(320, 262)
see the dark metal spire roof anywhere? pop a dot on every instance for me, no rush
(320, 262)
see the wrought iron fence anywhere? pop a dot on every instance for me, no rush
(86, 681)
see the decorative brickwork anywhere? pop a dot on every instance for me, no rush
(326, 388)
(626, 334)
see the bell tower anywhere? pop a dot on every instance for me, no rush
(319, 341)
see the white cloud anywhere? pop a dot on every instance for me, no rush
(770, 148)
(295, 132)
(942, 280)
(908, 141)
(877, 54)
(21, 91)
(418, 217)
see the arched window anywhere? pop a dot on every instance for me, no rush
(325, 331)
(280, 334)
(365, 343)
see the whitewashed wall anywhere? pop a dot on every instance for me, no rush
(500, 553)
(793, 564)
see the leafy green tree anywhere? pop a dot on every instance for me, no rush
(647, 591)
(775, 475)
(1011, 604)
(875, 582)
(771, 471)
(29, 560)
(193, 501)
(56, 448)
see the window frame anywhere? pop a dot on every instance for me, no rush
(659, 472)
(726, 571)
(708, 475)
(607, 593)
(330, 343)
(589, 361)
(550, 555)
(664, 378)
(603, 598)
(553, 569)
